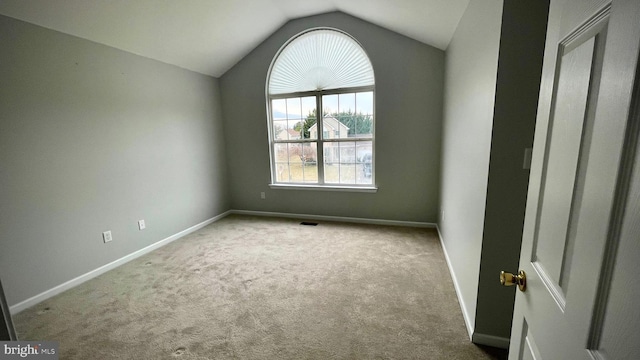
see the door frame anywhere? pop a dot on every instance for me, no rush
(7, 331)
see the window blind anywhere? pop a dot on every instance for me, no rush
(320, 60)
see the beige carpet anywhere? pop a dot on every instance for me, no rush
(265, 288)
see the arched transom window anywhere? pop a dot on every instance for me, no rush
(321, 69)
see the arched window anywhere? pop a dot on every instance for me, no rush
(321, 69)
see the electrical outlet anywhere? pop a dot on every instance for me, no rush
(263, 195)
(141, 225)
(106, 236)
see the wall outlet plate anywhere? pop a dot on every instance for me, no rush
(141, 225)
(106, 236)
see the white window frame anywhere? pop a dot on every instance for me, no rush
(320, 140)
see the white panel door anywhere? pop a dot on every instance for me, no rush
(581, 239)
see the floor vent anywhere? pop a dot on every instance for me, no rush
(309, 223)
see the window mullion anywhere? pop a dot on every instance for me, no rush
(319, 143)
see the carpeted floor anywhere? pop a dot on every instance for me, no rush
(264, 288)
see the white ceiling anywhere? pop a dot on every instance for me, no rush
(210, 36)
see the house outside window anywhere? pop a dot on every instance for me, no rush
(324, 69)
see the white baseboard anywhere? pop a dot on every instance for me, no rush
(112, 265)
(336, 218)
(490, 340)
(468, 320)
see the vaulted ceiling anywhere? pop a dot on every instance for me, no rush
(210, 36)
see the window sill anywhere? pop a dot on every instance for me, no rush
(367, 189)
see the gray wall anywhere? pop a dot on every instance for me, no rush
(522, 42)
(93, 139)
(409, 83)
(470, 83)
(493, 69)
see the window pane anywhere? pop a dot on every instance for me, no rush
(310, 128)
(348, 162)
(345, 162)
(306, 123)
(340, 164)
(292, 117)
(295, 162)
(303, 163)
(363, 125)
(331, 153)
(281, 155)
(309, 163)
(347, 103)
(280, 129)
(294, 109)
(308, 106)
(355, 117)
(282, 172)
(279, 109)
(330, 104)
(351, 124)
(364, 102)
(294, 131)
(286, 113)
(364, 157)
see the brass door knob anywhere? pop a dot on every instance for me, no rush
(508, 279)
